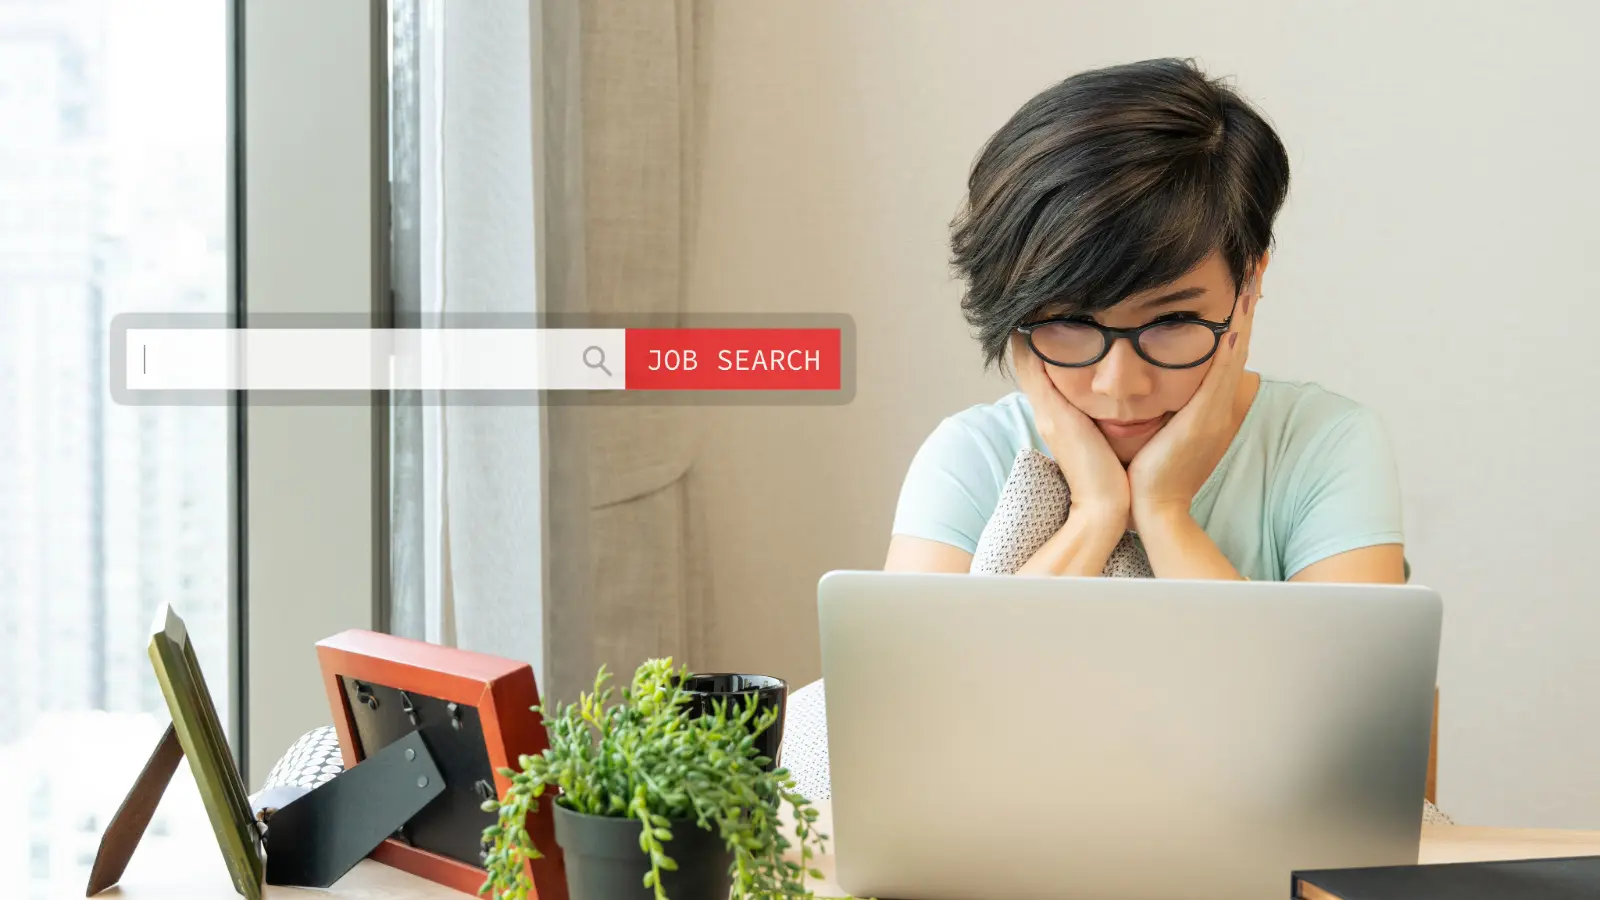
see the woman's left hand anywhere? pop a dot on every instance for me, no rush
(1165, 474)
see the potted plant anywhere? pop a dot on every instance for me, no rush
(655, 799)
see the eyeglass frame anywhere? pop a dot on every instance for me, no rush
(1112, 335)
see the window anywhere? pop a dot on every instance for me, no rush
(113, 198)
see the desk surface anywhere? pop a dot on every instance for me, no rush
(207, 879)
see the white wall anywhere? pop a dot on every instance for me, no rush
(1431, 263)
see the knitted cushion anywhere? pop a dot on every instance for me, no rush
(310, 761)
(1034, 503)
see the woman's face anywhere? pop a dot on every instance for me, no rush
(1128, 398)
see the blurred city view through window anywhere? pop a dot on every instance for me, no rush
(112, 199)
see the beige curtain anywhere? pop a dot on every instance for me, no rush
(622, 111)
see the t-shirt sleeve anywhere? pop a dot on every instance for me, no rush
(1347, 493)
(951, 488)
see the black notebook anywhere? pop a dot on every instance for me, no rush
(1568, 878)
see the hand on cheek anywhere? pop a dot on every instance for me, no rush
(1096, 478)
(1165, 474)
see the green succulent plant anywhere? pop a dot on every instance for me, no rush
(648, 758)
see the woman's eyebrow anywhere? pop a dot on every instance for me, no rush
(1171, 297)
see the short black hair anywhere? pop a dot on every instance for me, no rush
(1113, 182)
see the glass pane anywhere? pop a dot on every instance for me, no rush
(406, 560)
(415, 458)
(1068, 343)
(1178, 343)
(112, 199)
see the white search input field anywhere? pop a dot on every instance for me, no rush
(374, 359)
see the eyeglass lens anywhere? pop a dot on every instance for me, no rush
(1169, 343)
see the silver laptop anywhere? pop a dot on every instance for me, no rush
(1108, 738)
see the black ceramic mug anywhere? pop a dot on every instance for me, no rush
(736, 691)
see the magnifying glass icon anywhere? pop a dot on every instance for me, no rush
(595, 358)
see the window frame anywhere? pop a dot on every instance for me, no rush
(309, 234)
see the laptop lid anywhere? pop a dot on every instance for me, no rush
(1020, 737)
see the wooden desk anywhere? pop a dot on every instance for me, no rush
(207, 879)
(1440, 844)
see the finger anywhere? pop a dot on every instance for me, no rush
(1244, 323)
(1020, 353)
(1227, 366)
(1026, 364)
(1033, 375)
(1031, 372)
(1237, 340)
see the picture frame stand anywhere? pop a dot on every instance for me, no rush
(311, 840)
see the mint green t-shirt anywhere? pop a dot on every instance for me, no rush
(1309, 475)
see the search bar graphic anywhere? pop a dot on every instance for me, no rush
(352, 359)
(211, 359)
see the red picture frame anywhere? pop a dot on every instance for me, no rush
(502, 690)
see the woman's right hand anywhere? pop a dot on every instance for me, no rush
(1096, 478)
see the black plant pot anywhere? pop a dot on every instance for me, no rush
(604, 861)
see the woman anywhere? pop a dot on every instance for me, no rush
(1115, 239)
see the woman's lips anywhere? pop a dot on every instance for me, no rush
(1128, 428)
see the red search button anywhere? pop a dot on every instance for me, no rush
(733, 359)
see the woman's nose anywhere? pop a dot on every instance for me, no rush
(1123, 374)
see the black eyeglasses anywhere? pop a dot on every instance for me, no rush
(1074, 343)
